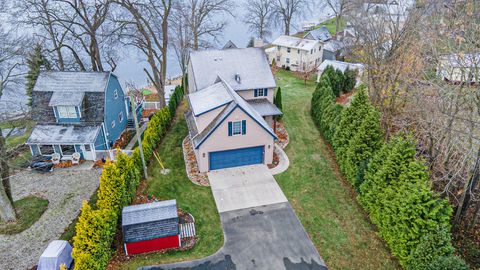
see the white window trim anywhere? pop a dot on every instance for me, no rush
(233, 128)
(113, 124)
(115, 94)
(261, 92)
(120, 117)
(61, 151)
(68, 114)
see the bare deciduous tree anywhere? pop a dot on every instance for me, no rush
(181, 40)
(286, 10)
(203, 17)
(339, 8)
(258, 17)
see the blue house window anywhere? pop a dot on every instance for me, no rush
(115, 94)
(46, 150)
(120, 117)
(66, 112)
(113, 124)
(236, 128)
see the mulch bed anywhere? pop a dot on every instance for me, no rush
(146, 113)
(67, 164)
(344, 98)
(124, 139)
(191, 165)
(275, 161)
(282, 135)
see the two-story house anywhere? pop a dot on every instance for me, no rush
(80, 112)
(231, 116)
(297, 54)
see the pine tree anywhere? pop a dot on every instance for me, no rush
(35, 61)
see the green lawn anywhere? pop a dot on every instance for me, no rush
(29, 210)
(20, 160)
(190, 197)
(323, 201)
(331, 25)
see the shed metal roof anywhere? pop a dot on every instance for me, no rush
(66, 98)
(264, 107)
(63, 134)
(295, 42)
(250, 64)
(70, 81)
(149, 212)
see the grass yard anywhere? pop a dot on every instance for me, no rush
(331, 25)
(192, 198)
(322, 199)
(29, 210)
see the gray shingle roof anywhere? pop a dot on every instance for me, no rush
(149, 221)
(192, 127)
(236, 102)
(66, 98)
(264, 107)
(295, 42)
(250, 64)
(63, 134)
(148, 212)
(321, 33)
(209, 98)
(67, 81)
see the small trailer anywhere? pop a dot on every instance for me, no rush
(151, 226)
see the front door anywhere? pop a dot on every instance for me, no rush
(87, 152)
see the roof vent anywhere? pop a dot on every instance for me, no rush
(237, 77)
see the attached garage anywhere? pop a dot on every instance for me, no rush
(236, 157)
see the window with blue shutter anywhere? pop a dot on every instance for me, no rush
(244, 127)
(255, 93)
(265, 92)
(229, 128)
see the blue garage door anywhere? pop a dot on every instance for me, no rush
(236, 157)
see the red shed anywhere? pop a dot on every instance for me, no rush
(151, 226)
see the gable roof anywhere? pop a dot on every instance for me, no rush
(236, 102)
(209, 99)
(148, 212)
(295, 42)
(250, 64)
(71, 81)
(229, 45)
(321, 33)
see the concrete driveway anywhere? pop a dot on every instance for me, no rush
(263, 237)
(244, 187)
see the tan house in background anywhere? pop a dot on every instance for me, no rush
(231, 116)
(297, 54)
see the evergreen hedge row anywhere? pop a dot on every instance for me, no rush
(97, 225)
(393, 184)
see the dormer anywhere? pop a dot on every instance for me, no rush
(67, 106)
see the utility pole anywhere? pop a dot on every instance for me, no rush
(137, 131)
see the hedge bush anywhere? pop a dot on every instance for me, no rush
(393, 185)
(448, 262)
(175, 99)
(96, 228)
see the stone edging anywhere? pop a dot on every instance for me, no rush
(191, 168)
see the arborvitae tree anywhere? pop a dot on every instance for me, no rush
(112, 191)
(397, 196)
(250, 42)
(448, 262)
(431, 246)
(350, 121)
(364, 143)
(278, 101)
(35, 61)
(350, 79)
(132, 175)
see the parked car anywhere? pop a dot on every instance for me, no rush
(41, 163)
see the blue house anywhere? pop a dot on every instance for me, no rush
(82, 112)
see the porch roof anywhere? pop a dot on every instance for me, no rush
(264, 107)
(63, 134)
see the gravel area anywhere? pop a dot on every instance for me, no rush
(65, 190)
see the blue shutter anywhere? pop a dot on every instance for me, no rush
(265, 92)
(255, 93)
(229, 128)
(244, 127)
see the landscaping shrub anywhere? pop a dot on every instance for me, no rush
(433, 245)
(95, 231)
(350, 79)
(448, 262)
(96, 228)
(277, 100)
(175, 99)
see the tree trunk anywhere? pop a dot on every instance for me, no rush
(475, 217)
(7, 212)
(287, 26)
(469, 185)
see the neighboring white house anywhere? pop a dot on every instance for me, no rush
(460, 68)
(231, 116)
(342, 66)
(296, 53)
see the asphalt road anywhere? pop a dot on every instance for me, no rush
(262, 237)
